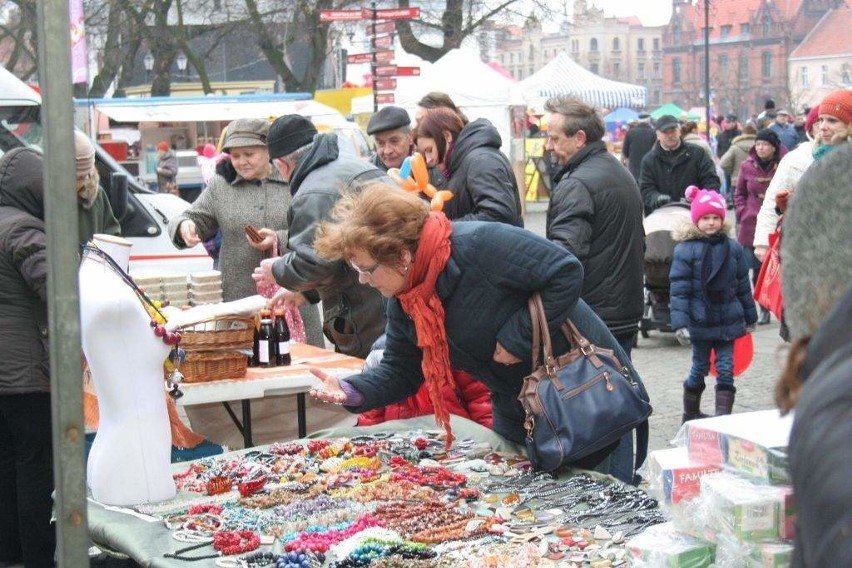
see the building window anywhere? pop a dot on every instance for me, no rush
(726, 30)
(803, 71)
(767, 25)
(676, 70)
(616, 44)
(511, 58)
(616, 70)
(824, 74)
(594, 68)
(723, 64)
(531, 56)
(593, 44)
(656, 44)
(745, 29)
(575, 45)
(845, 74)
(766, 65)
(640, 44)
(675, 34)
(743, 70)
(641, 71)
(656, 71)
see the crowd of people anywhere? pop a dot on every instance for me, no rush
(437, 300)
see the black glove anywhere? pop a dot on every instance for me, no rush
(662, 199)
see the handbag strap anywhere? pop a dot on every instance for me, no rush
(540, 335)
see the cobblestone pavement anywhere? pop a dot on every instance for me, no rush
(663, 365)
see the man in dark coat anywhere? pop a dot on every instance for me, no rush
(637, 142)
(724, 139)
(26, 455)
(353, 314)
(390, 128)
(673, 165)
(596, 213)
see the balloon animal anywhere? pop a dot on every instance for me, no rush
(413, 175)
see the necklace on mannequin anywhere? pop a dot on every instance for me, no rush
(157, 323)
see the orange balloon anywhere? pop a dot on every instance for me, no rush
(446, 195)
(439, 198)
(419, 170)
(393, 173)
(429, 190)
(409, 185)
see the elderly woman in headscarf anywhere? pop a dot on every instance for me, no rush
(94, 212)
(818, 307)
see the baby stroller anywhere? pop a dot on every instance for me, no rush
(659, 250)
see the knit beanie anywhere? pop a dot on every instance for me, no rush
(813, 116)
(289, 133)
(815, 261)
(84, 153)
(768, 135)
(838, 104)
(705, 202)
(163, 146)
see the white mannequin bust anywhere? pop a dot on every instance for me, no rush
(130, 460)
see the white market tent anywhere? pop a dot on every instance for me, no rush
(475, 87)
(563, 75)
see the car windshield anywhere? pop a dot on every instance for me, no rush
(20, 127)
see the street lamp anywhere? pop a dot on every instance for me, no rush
(148, 62)
(181, 63)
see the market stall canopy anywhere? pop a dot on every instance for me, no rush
(564, 76)
(15, 92)
(212, 108)
(622, 115)
(668, 108)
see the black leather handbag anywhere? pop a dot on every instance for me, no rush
(578, 403)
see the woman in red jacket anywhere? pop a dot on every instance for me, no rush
(469, 398)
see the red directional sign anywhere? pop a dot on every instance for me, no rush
(381, 27)
(390, 14)
(386, 70)
(382, 41)
(385, 84)
(359, 58)
(398, 14)
(384, 56)
(407, 72)
(384, 98)
(340, 15)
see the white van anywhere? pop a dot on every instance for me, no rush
(143, 214)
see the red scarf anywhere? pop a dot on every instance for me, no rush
(421, 302)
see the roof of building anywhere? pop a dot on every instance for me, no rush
(733, 13)
(830, 37)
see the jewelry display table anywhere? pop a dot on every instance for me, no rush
(262, 382)
(466, 507)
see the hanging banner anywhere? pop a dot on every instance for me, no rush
(79, 55)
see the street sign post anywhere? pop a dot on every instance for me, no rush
(385, 70)
(359, 58)
(381, 28)
(407, 72)
(384, 98)
(385, 84)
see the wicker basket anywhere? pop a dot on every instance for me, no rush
(226, 333)
(203, 366)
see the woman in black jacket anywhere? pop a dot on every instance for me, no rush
(478, 174)
(458, 299)
(26, 454)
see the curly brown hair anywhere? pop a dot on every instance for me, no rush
(382, 219)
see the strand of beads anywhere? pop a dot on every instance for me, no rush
(321, 541)
(235, 542)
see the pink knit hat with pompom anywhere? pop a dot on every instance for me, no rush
(705, 202)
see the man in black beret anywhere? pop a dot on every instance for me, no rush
(390, 127)
(319, 173)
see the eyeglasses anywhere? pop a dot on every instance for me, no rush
(365, 271)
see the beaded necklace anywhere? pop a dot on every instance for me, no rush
(158, 319)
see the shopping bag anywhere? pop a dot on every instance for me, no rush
(743, 356)
(767, 289)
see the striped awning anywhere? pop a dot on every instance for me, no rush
(563, 75)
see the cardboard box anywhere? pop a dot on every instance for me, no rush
(740, 508)
(675, 477)
(663, 546)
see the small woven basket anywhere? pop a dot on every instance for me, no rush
(228, 332)
(203, 366)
